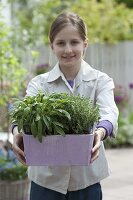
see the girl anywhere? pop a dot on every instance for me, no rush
(68, 40)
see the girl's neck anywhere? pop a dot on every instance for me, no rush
(70, 72)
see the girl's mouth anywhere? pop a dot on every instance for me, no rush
(68, 57)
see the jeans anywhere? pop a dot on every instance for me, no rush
(92, 192)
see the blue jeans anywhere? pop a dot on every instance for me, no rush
(92, 192)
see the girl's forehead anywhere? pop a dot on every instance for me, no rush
(68, 31)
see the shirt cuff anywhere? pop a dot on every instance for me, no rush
(107, 125)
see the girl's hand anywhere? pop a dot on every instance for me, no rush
(18, 146)
(98, 137)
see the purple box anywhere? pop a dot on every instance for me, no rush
(56, 150)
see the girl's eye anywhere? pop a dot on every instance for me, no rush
(60, 43)
(74, 42)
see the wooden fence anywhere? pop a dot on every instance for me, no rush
(115, 60)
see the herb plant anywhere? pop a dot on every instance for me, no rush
(54, 114)
(18, 172)
(10, 169)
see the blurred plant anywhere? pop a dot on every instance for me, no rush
(7, 156)
(10, 168)
(42, 68)
(11, 71)
(121, 96)
(12, 74)
(17, 172)
(131, 86)
(107, 21)
(128, 3)
(34, 20)
(124, 136)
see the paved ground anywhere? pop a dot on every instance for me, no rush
(119, 186)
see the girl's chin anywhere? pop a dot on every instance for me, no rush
(67, 64)
(68, 61)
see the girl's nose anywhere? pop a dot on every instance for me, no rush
(68, 48)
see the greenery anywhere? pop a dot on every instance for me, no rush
(56, 113)
(121, 97)
(42, 68)
(124, 137)
(107, 21)
(10, 168)
(18, 172)
(125, 133)
(128, 3)
(11, 72)
(34, 20)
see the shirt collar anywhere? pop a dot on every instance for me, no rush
(86, 73)
(55, 73)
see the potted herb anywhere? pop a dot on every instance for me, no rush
(13, 177)
(48, 117)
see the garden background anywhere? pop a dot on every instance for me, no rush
(25, 52)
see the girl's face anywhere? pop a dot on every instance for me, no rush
(68, 47)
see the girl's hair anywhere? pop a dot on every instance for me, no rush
(65, 19)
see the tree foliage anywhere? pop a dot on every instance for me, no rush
(34, 20)
(107, 21)
(11, 72)
(128, 3)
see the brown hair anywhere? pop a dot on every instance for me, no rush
(65, 19)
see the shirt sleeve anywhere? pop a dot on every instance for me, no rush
(34, 86)
(105, 100)
(107, 125)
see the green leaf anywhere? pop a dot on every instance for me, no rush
(20, 125)
(40, 131)
(39, 138)
(46, 121)
(58, 124)
(59, 130)
(37, 118)
(65, 113)
(39, 127)
(34, 129)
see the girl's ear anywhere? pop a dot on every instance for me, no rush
(86, 43)
(85, 47)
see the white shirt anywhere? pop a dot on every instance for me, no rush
(99, 87)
